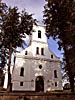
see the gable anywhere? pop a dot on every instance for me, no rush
(38, 46)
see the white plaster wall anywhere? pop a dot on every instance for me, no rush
(38, 42)
(31, 63)
(35, 34)
(31, 71)
(32, 51)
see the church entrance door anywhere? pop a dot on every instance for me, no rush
(39, 84)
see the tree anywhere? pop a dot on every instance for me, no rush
(3, 56)
(3, 9)
(59, 17)
(14, 27)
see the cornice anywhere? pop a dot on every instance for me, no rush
(39, 42)
(38, 58)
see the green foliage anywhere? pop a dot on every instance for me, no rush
(59, 17)
(3, 56)
(13, 27)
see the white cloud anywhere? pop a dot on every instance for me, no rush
(32, 6)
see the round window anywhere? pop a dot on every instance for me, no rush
(40, 66)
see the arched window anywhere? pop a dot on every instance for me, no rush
(22, 72)
(52, 56)
(39, 34)
(37, 50)
(42, 51)
(55, 73)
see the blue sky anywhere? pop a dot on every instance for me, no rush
(35, 7)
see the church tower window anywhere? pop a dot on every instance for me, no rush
(37, 50)
(39, 34)
(42, 51)
(22, 72)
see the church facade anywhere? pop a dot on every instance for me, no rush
(37, 68)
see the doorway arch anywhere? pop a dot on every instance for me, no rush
(39, 84)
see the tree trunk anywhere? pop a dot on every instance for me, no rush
(71, 76)
(9, 65)
(71, 79)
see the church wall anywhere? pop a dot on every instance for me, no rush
(31, 51)
(32, 70)
(36, 60)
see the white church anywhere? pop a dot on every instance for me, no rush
(37, 68)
